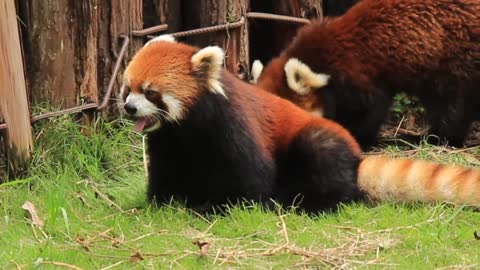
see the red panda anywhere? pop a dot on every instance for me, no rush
(349, 68)
(214, 139)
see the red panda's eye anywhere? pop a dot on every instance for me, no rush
(149, 93)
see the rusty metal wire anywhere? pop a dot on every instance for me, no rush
(276, 17)
(77, 109)
(88, 106)
(120, 57)
(149, 30)
(209, 29)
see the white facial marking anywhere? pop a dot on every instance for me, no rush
(142, 104)
(215, 55)
(257, 68)
(164, 38)
(301, 78)
(174, 107)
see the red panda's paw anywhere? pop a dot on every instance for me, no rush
(257, 68)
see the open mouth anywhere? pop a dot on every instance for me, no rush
(146, 124)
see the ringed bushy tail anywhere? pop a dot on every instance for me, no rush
(384, 178)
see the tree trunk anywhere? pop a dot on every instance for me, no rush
(204, 13)
(269, 38)
(70, 47)
(13, 93)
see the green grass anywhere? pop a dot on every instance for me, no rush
(89, 191)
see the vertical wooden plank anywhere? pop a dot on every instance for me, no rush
(123, 17)
(204, 13)
(126, 15)
(71, 46)
(157, 12)
(50, 52)
(13, 101)
(237, 44)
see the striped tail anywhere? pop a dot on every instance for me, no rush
(384, 178)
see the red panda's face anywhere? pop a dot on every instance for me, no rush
(291, 79)
(164, 79)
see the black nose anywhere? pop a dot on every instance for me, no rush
(130, 109)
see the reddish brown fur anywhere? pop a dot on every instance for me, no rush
(172, 69)
(408, 180)
(281, 120)
(430, 48)
(236, 140)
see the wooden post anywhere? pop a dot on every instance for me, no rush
(269, 38)
(204, 13)
(13, 97)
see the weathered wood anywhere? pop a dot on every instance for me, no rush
(204, 13)
(49, 50)
(13, 101)
(269, 38)
(122, 17)
(70, 47)
(163, 11)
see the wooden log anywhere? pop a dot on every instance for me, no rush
(13, 101)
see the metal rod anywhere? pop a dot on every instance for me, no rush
(208, 29)
(149, 30)
(108, 94)
(276, 17)
(77, 109)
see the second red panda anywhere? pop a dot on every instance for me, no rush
(350, 67)
(214, 139)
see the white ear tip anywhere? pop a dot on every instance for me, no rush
(301, 79)
(257, 68)
(211, 57)
(214, 52)
(164, 38)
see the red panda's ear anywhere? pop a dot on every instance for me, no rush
(257, 68)
(207, 65)
(164, 38)
(302, 79)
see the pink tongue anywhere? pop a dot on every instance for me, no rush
(140, 125)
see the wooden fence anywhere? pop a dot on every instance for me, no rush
(63, 53)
